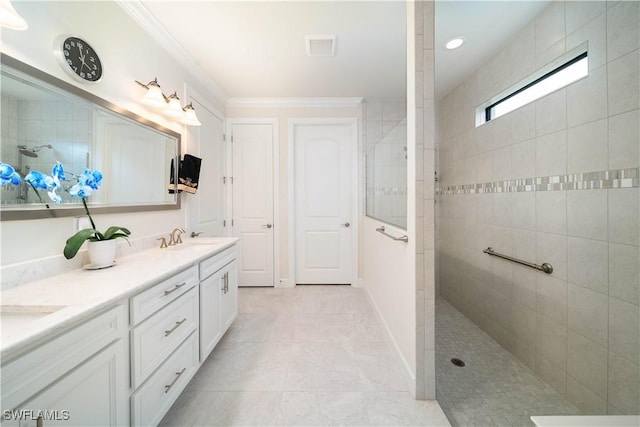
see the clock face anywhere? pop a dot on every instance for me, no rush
(81, 60)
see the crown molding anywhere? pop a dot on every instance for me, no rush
(148, 22)
(294, 102)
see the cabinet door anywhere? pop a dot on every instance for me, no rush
(93, 394)
(210, 327)
(229, 301)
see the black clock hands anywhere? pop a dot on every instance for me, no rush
(82, 56)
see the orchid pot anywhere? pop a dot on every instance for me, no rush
(102, 253)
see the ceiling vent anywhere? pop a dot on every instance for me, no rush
(321, 45)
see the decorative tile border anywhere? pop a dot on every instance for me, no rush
(387, 191)
(619, 178)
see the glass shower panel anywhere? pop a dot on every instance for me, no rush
(386, 175)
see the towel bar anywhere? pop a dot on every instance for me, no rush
(545, 267)
(403, 238)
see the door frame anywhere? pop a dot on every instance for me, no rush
(274, 122)
(355, 213)
(190, 94)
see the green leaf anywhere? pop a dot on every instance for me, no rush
(114, 232)
(74, 242)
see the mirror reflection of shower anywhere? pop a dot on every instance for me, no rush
(32, 152)
(24, 168)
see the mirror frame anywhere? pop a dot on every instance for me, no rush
(59, 211)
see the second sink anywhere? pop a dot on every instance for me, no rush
(16, 316)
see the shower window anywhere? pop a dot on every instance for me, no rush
(386, 176)
(560, 73)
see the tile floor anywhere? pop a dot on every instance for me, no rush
(309, 356)
(494, 388)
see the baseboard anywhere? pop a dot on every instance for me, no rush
(358, 284)
(410, 377)
(285, 283)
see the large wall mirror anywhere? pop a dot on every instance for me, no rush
(46, 120)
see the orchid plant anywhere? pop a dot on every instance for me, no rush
(85, 184)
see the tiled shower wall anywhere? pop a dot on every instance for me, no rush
(425, 199)
(379, 117)
(577, 328)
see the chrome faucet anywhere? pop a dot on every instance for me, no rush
(163, 242)
(173, 240)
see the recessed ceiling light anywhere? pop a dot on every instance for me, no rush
(454, 43)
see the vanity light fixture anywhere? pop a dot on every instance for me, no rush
(190, 117)
(154, 96)
(169, 104)
(173, 106)
(9, 18)
(454, 43)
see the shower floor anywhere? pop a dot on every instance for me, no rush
(494, 388)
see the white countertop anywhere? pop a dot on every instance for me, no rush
(84, 293)
(586, 420)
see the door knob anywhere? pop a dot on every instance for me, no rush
(268, 225)
(346, 225)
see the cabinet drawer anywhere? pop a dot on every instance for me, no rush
(24, 377)
(158, 336)
(216, 262)
(152, 401)
(148, 302)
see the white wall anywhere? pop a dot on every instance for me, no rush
(388, 276)
(128, 53)
(283, 114)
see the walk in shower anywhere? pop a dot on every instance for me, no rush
(555, 182)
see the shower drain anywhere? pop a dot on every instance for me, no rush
(457, 362)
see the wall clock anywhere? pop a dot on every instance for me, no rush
(78, 59)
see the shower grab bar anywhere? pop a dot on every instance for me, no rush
(545, 267)
(403, 238)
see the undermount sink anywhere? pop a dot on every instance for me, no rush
(195, 241)
(15, 316)
(203, 241)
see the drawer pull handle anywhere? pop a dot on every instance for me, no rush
(170, 331)
(225, 281)
(175, 288)
(178, 374)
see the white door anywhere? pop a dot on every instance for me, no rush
(253, 202)
(206, 208)
(324, 202)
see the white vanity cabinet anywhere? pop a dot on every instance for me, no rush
(79, 378)
(164, 347)
(218, 298)
(125, 359)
